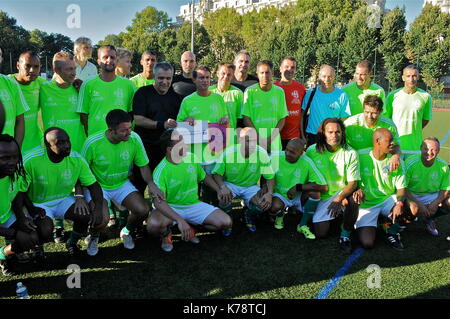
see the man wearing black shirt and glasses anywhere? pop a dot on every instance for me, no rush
(155, 108)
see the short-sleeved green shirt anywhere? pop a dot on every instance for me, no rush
(356, 95)
(98, 97)
(59, 108)
(13, 102)
(202, 108)
(338, 168)
(242, 171)
(179, 183)
(377, 182)
(33, 133)
(265, 109)
(140, 81)
(234, 101)
(111, 163)
(408, 111)
(290, 174)
(9, 190)
(426, 180)
(47, 181)
(359, 135)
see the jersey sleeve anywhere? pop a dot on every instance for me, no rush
(219, 166)
(246, 106)
(86, 177)
(240, 104)
(309, 172)
(183, 113)
(388, 106)
(345, 105)
(352, 172)
(159, 179)
(306, 98)
(428, 109)
(400, 177)
(20, 103)
(131, 91)
(283, 111)
(84, 99)
(141, 158)
(445, 184)
(201, 174)
(266, 166)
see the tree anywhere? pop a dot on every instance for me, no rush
(392, 46)
(221, 26)
(360, 42)
(428, 44)
(330, 34)
(13, 40)
(113, 39)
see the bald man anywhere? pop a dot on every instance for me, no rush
(327, 101)
(238, 172)
(296, 178)
(14, 106)
(428, 184)
(51, 175)
(381, 191)
(182, 83)
(29, 82)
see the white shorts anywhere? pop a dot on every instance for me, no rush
(194, 214)
(115, 195)
(296, 202)
(245, 193)
(368, 217)
(11, 220)
(57, 208)
(427, 198)
(322, 212)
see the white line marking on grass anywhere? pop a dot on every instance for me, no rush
(323, 294)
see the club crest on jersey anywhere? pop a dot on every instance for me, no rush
(295, 94)
(125, 155)
(67, 174)
(118, 93)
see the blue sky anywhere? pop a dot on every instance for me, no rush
(102, 17)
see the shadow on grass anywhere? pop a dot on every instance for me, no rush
(266, 264)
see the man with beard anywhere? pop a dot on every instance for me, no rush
(104, 93)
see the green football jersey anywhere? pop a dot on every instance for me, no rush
(359, 135)
(242, 171)
(234, 101)
(290, 174)
(377, 182)
(140, 81)
(98, 97)
(33, 133)
(408, 111)
(59, 108)
(47, 181)
(9, 190)
(356, 95)
(210, 108)
(338, 168)
(179, 183)
(13, 102)
(265, 109)
(426, 180)
(111, 163)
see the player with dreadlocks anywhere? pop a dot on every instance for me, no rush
(21, 233)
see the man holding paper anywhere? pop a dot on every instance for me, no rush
(203, 105)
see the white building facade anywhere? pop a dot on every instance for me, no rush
(241, 6)
(444, 4)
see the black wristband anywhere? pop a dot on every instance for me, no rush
(299, 187)
(160, 125)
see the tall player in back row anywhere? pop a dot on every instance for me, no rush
(104, 93)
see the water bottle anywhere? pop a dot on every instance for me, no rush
(22, 291)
